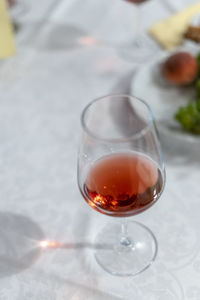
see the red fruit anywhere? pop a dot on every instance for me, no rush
(180, 68)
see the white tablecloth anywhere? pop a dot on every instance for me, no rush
(43, 89)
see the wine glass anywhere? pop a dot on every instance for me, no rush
(17, 9)
(121, 174)
(142, 47)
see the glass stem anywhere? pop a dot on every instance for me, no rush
(124, 239)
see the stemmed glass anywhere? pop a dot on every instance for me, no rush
(121, 174)
(17, 9)
(142, 47)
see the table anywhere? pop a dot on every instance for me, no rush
(44, 88)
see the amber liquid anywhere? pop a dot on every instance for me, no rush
(123, 184)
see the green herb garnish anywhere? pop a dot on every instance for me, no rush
(189, 116)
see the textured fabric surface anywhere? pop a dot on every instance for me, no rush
(43, 91)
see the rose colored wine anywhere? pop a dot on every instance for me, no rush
(123, 184)
(11, 2)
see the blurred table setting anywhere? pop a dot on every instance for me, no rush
(60, 56)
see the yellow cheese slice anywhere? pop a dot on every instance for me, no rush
(169, 33)
(7, 44)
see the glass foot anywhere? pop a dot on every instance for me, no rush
(142, 49)
(125, 256)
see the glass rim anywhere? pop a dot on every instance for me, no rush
(117, 140)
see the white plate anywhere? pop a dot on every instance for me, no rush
(164, 99)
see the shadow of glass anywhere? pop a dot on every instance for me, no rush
(51, 36)
(19, 238)
(48, 244)
(61, 37)
(87, 245)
